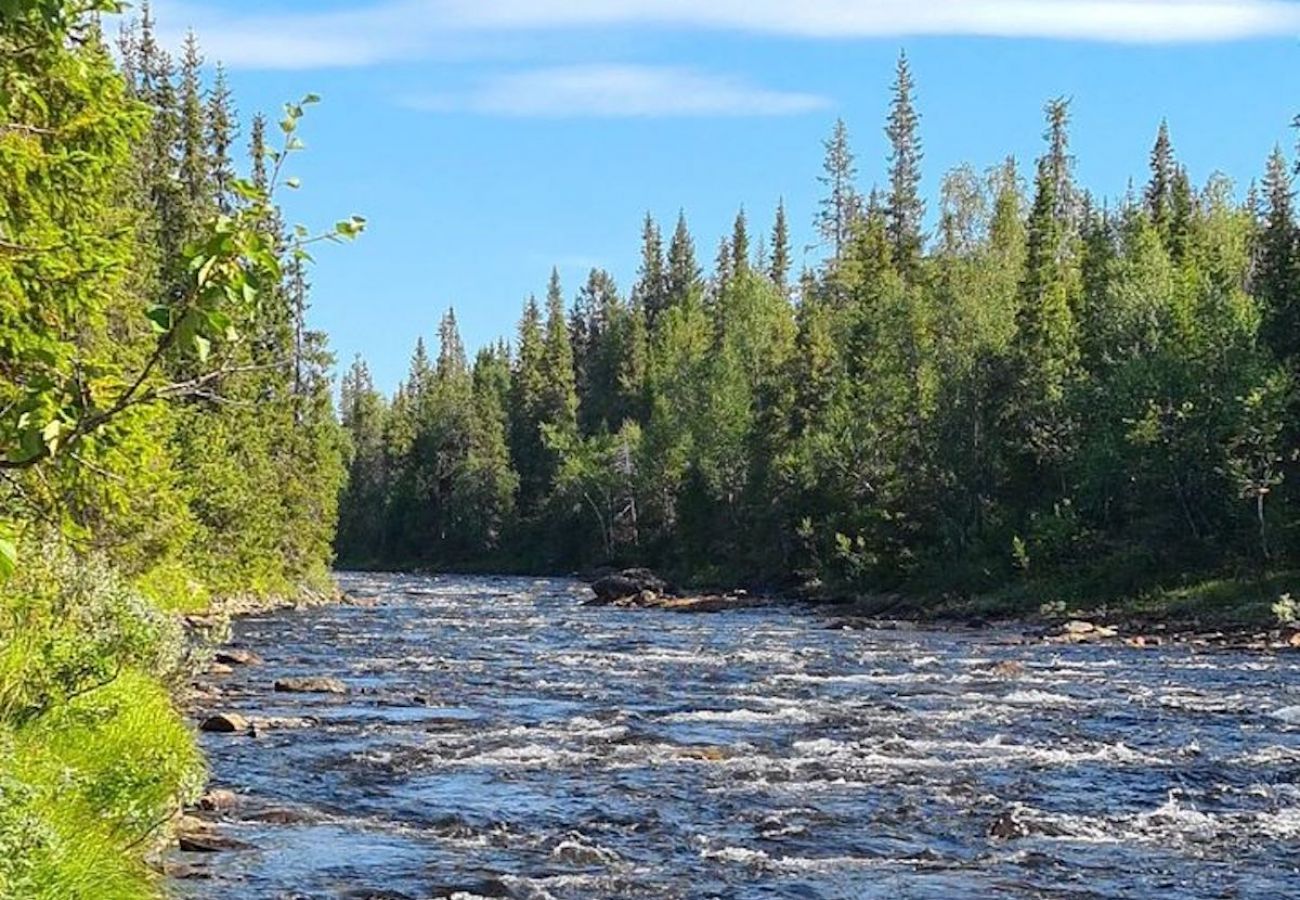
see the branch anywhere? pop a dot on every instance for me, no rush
(21, 128)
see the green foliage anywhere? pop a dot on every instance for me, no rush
(167, 430)
(1047, 390)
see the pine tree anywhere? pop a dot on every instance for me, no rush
(904, 209)
(842, 205)
(452, 362)
(1159, 190)
(740, 245)
(257, 152)
(781, 261)
(222, 130)
(651, 291)
(527, 390)
(194, 164)
(1277, 275)
(683, 275)
(559, 397)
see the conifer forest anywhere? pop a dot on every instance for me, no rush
(1021, 392)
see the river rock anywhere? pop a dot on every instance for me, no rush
(1081, 632)
(1008, 668)
(219, 800)
(628, 583)
(236, 657)
(184, 871)
(310, 686)
(210, 842)
(1008, 827)
(224, 723)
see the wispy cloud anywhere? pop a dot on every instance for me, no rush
(619, 91)
(389, 30)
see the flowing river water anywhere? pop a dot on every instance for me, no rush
(500, 739)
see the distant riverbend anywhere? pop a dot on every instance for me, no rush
(496, 737)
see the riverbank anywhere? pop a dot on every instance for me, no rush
(98, 757)
(1251, 614)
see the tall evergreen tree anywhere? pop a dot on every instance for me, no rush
(904, 208)
(842, 204)
(781, 261)
(222, 131)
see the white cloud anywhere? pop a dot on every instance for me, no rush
(388, 30)
(619, 91)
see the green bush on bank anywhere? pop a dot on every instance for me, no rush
(94, 756)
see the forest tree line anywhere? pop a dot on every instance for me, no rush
(167, 428)
(1045, 386)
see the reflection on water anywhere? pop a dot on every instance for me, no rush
(500, 739)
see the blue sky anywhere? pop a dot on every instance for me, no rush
(486, 140)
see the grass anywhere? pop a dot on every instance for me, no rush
(94, 757)
(88, 788)
(1234, 603)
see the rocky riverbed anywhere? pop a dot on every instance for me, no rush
(495, 737)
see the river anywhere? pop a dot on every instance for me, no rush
(502, 739)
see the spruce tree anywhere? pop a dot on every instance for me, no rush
(222, 130)
(1159, 190)
(740, 245)
(683, 274)
(194, 164)
(1277, 276)
(842, 204)
(904, 208)
(781, 260)
(651, 290)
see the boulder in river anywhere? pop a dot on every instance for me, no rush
(628, 583)
(224, 723)
(219, 800)
(232, 656)
(1081, 632)
(316, 685)
(210, 842)
(1008, 827)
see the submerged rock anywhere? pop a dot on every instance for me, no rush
(210, 842)
(310, 686)
(224, 723)
(1008, 668)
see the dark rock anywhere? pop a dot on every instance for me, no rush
(1008, 827)
(224, 723)
(488, 887)
(628, 583)
(310, 686)
(236, 657)
(210, 842)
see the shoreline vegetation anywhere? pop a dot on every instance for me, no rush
(167, 430)
(1029, 399)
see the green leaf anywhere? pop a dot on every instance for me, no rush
(8, 556)
(203, 347)
(161, 317)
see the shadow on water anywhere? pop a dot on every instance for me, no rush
(501, 739)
